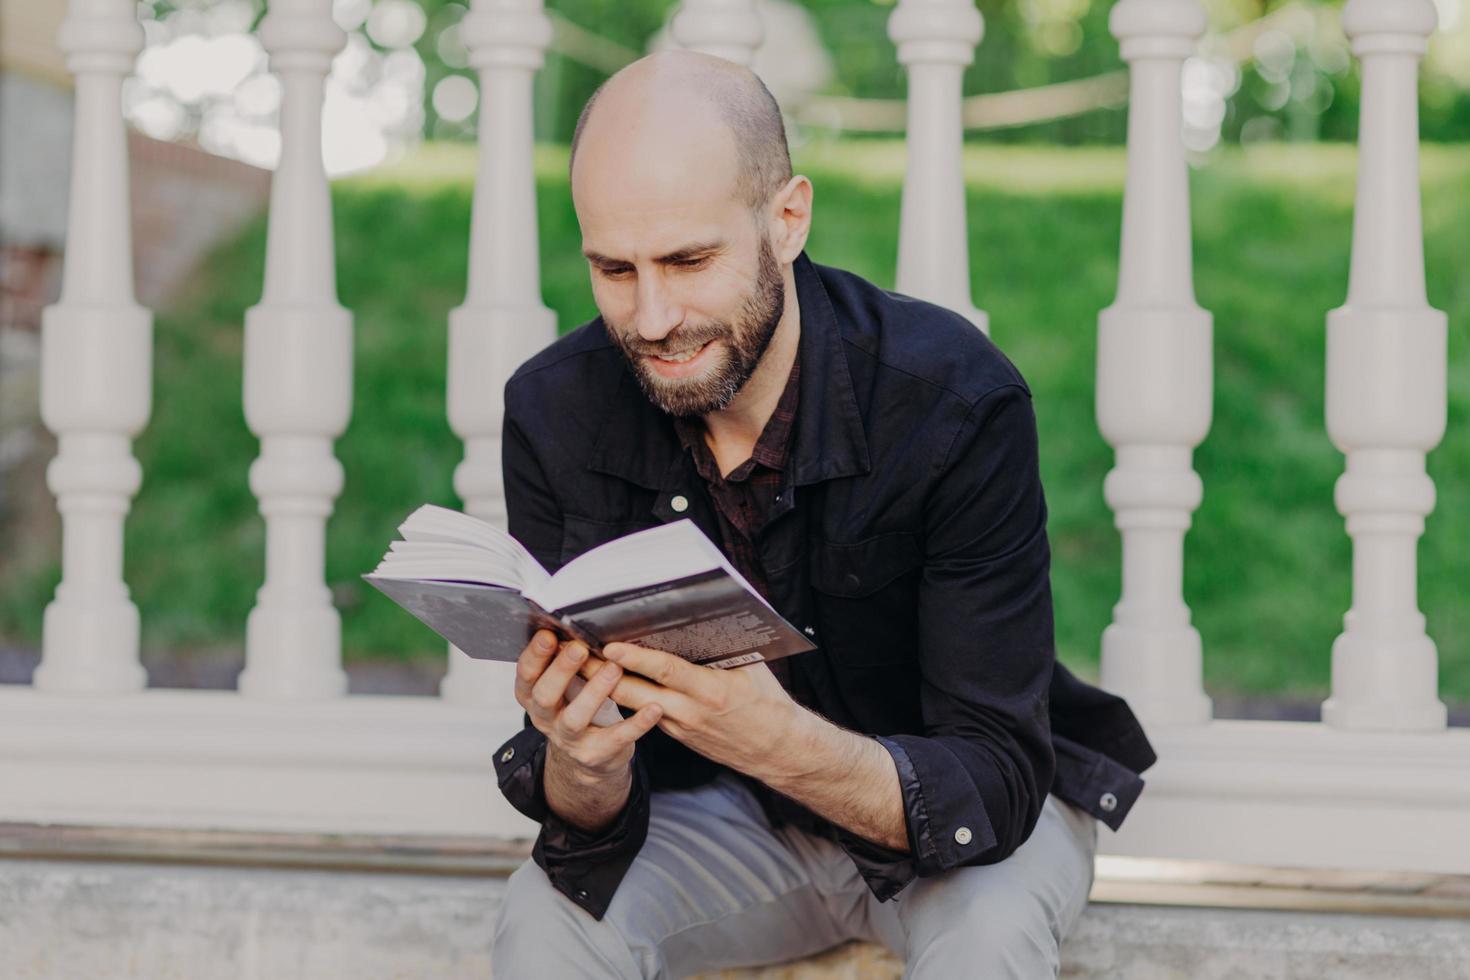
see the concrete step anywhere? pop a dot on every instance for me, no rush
(205, 906)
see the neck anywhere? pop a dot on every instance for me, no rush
(734, 429)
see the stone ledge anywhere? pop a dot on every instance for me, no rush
(475, 857)
(130, 920)
(1221, 885)
(1119, 880)
(78, 901)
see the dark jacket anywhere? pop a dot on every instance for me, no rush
(910, 542)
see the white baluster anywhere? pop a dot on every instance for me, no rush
(1386, 377)
(503, 320)
(96, 372)
(936, 39)
(298, 378)
(729, 29)
(1154, 378)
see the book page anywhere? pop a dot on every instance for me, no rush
(431, 523)
(446, 561)
(645, 558)
(446, 545)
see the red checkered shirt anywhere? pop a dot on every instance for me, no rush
(745, 496)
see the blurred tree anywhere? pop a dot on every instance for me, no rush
(1294, 79)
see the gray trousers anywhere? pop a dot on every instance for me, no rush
(714, 887)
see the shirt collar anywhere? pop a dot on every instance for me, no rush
(771, 450)
(638, 442)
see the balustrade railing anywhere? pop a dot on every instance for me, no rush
(298, 378)
(96, 373)
(502, 320)
(1386, 375)
(935, 40)
(1380, 784)
(1154, 378)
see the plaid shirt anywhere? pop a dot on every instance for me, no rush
(744, 497)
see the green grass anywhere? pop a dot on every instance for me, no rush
(1267, 570)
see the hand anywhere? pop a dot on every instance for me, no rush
(741, 717)
(543, 673)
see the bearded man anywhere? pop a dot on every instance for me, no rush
(928, 777)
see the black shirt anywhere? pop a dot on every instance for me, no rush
(909, 542)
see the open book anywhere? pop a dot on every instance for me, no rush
(669, 588)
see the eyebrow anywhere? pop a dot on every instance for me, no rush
(678, 255)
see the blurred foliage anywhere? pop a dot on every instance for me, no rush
(1305, 88)
(1310, 93)
(1268, 561)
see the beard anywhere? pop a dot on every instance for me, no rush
(745, 339)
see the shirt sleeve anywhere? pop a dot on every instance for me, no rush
(585, 867)
(975, 780)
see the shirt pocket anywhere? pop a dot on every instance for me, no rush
(866, 597)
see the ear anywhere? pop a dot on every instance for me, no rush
(791, 218)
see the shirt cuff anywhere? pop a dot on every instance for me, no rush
(885, 870)
(586, 867)
(944, 830)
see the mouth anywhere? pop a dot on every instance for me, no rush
(681, 364)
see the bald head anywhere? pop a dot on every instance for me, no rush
(689, 95)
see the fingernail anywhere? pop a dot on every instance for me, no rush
(544, 642)
(612, 651)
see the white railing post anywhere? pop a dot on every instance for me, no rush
(1386, 378)
(96, 372)
(936, 40)
(298, 378)
(729, 29)
(503, 320)
(1154, 378)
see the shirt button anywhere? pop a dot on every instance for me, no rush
(1108, 802)
(680, 504)
(963, 835)
(508, 755)
(581, 894)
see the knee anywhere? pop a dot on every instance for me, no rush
(987, 933)
(529, 896)
(530, 919)
(542, 933)
(537, 924)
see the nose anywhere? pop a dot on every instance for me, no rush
(657, 314)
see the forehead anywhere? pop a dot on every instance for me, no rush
(641, 186)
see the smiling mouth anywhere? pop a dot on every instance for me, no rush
(683, 356)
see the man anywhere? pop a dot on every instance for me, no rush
(928, 777)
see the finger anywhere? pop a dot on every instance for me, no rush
(636, 693)
(631, 729)
(532, 662)
(590, 666)
(549, 690)
(665, 669)
(577, 715)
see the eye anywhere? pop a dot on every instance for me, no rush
(616, 272)
(692, 263)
